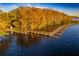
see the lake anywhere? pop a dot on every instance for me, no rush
(18, 44)
(75, 19)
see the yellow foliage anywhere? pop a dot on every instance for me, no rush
(3, 24)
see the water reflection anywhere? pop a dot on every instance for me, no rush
(5, 42)
(27, 40)
(13, 44)
(38, 45)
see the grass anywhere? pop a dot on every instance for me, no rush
(2, 33)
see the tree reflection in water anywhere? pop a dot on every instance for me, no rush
(5, 42)
(27, 40)
(12, 43)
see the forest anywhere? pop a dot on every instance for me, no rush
(31, 18)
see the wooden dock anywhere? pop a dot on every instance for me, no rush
(55, 33)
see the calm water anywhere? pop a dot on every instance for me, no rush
(75, 18)
(33, 45)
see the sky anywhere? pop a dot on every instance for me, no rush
(68, 8)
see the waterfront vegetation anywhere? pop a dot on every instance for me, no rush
(23, 19)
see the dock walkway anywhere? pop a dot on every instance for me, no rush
(54, 33)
